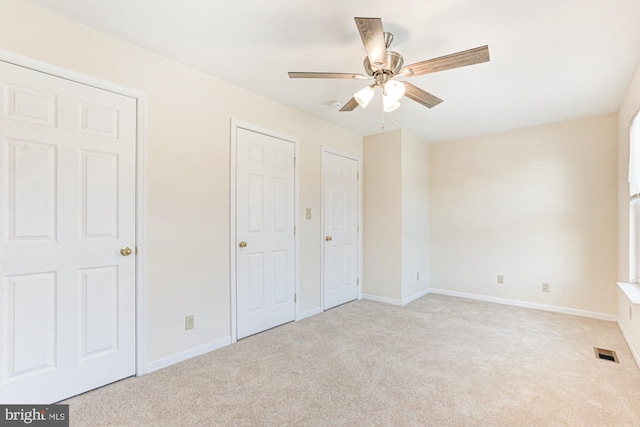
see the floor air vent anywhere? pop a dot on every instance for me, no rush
(603, 354)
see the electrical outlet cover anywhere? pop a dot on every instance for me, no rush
(189, 322)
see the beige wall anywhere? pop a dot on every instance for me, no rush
(628, 109)
(415, 215)
(188, 169)
(396, 216)
(382, 213)
(535, 205)
(628, 314)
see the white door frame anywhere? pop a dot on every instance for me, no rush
(141, 201)
(360, 217)
(235, 124)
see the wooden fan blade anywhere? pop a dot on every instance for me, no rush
(373, 39)
(454, 60)
(312, 75)
(420, 96)
(351, 105)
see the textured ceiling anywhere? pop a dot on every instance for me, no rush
(550, 60)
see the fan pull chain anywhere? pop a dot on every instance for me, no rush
(382, 118)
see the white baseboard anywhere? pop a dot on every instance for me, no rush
(526, 304)
(415, 296)
(385, 300)
(395, 301)
(634, 353)
(187, 354)
(309, 313)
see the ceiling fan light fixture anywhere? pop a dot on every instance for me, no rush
(383, 65)
(394, 90)
(364, 96)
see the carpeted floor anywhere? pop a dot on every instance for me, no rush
(439, 361)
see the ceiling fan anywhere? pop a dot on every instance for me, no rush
(383, 66)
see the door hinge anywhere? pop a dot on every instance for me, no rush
(357, 280)
(136, 250)
(295, 297)
(294, 161)
(294, 230)
(358, 228)
(358, 175)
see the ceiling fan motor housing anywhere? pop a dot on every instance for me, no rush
(392, 65)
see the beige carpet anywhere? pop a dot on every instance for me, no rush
(438, 361)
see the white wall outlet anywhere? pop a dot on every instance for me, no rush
(500, 279)
(308, 213)
(189, 322)
(545, 287)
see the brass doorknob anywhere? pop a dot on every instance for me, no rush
(243, 244)
(328, 238)
(126, 251)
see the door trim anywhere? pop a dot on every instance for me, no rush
(235, 125)
(328, 150)
(141, 198)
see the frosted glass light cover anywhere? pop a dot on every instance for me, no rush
(364, 96)
(394, 90)
(389, 104)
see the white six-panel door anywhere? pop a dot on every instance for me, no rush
(67, 207)
(265, 257)
(340, 217)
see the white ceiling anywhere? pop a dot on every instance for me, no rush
(551, 60)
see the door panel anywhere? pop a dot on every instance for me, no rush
(30, 105)
(67, 206)
(31, 190)
(255, 276)
(99, 308)
(340, 204)
(32, 314)
(99, 194)
(264, 220)
(280, 278)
